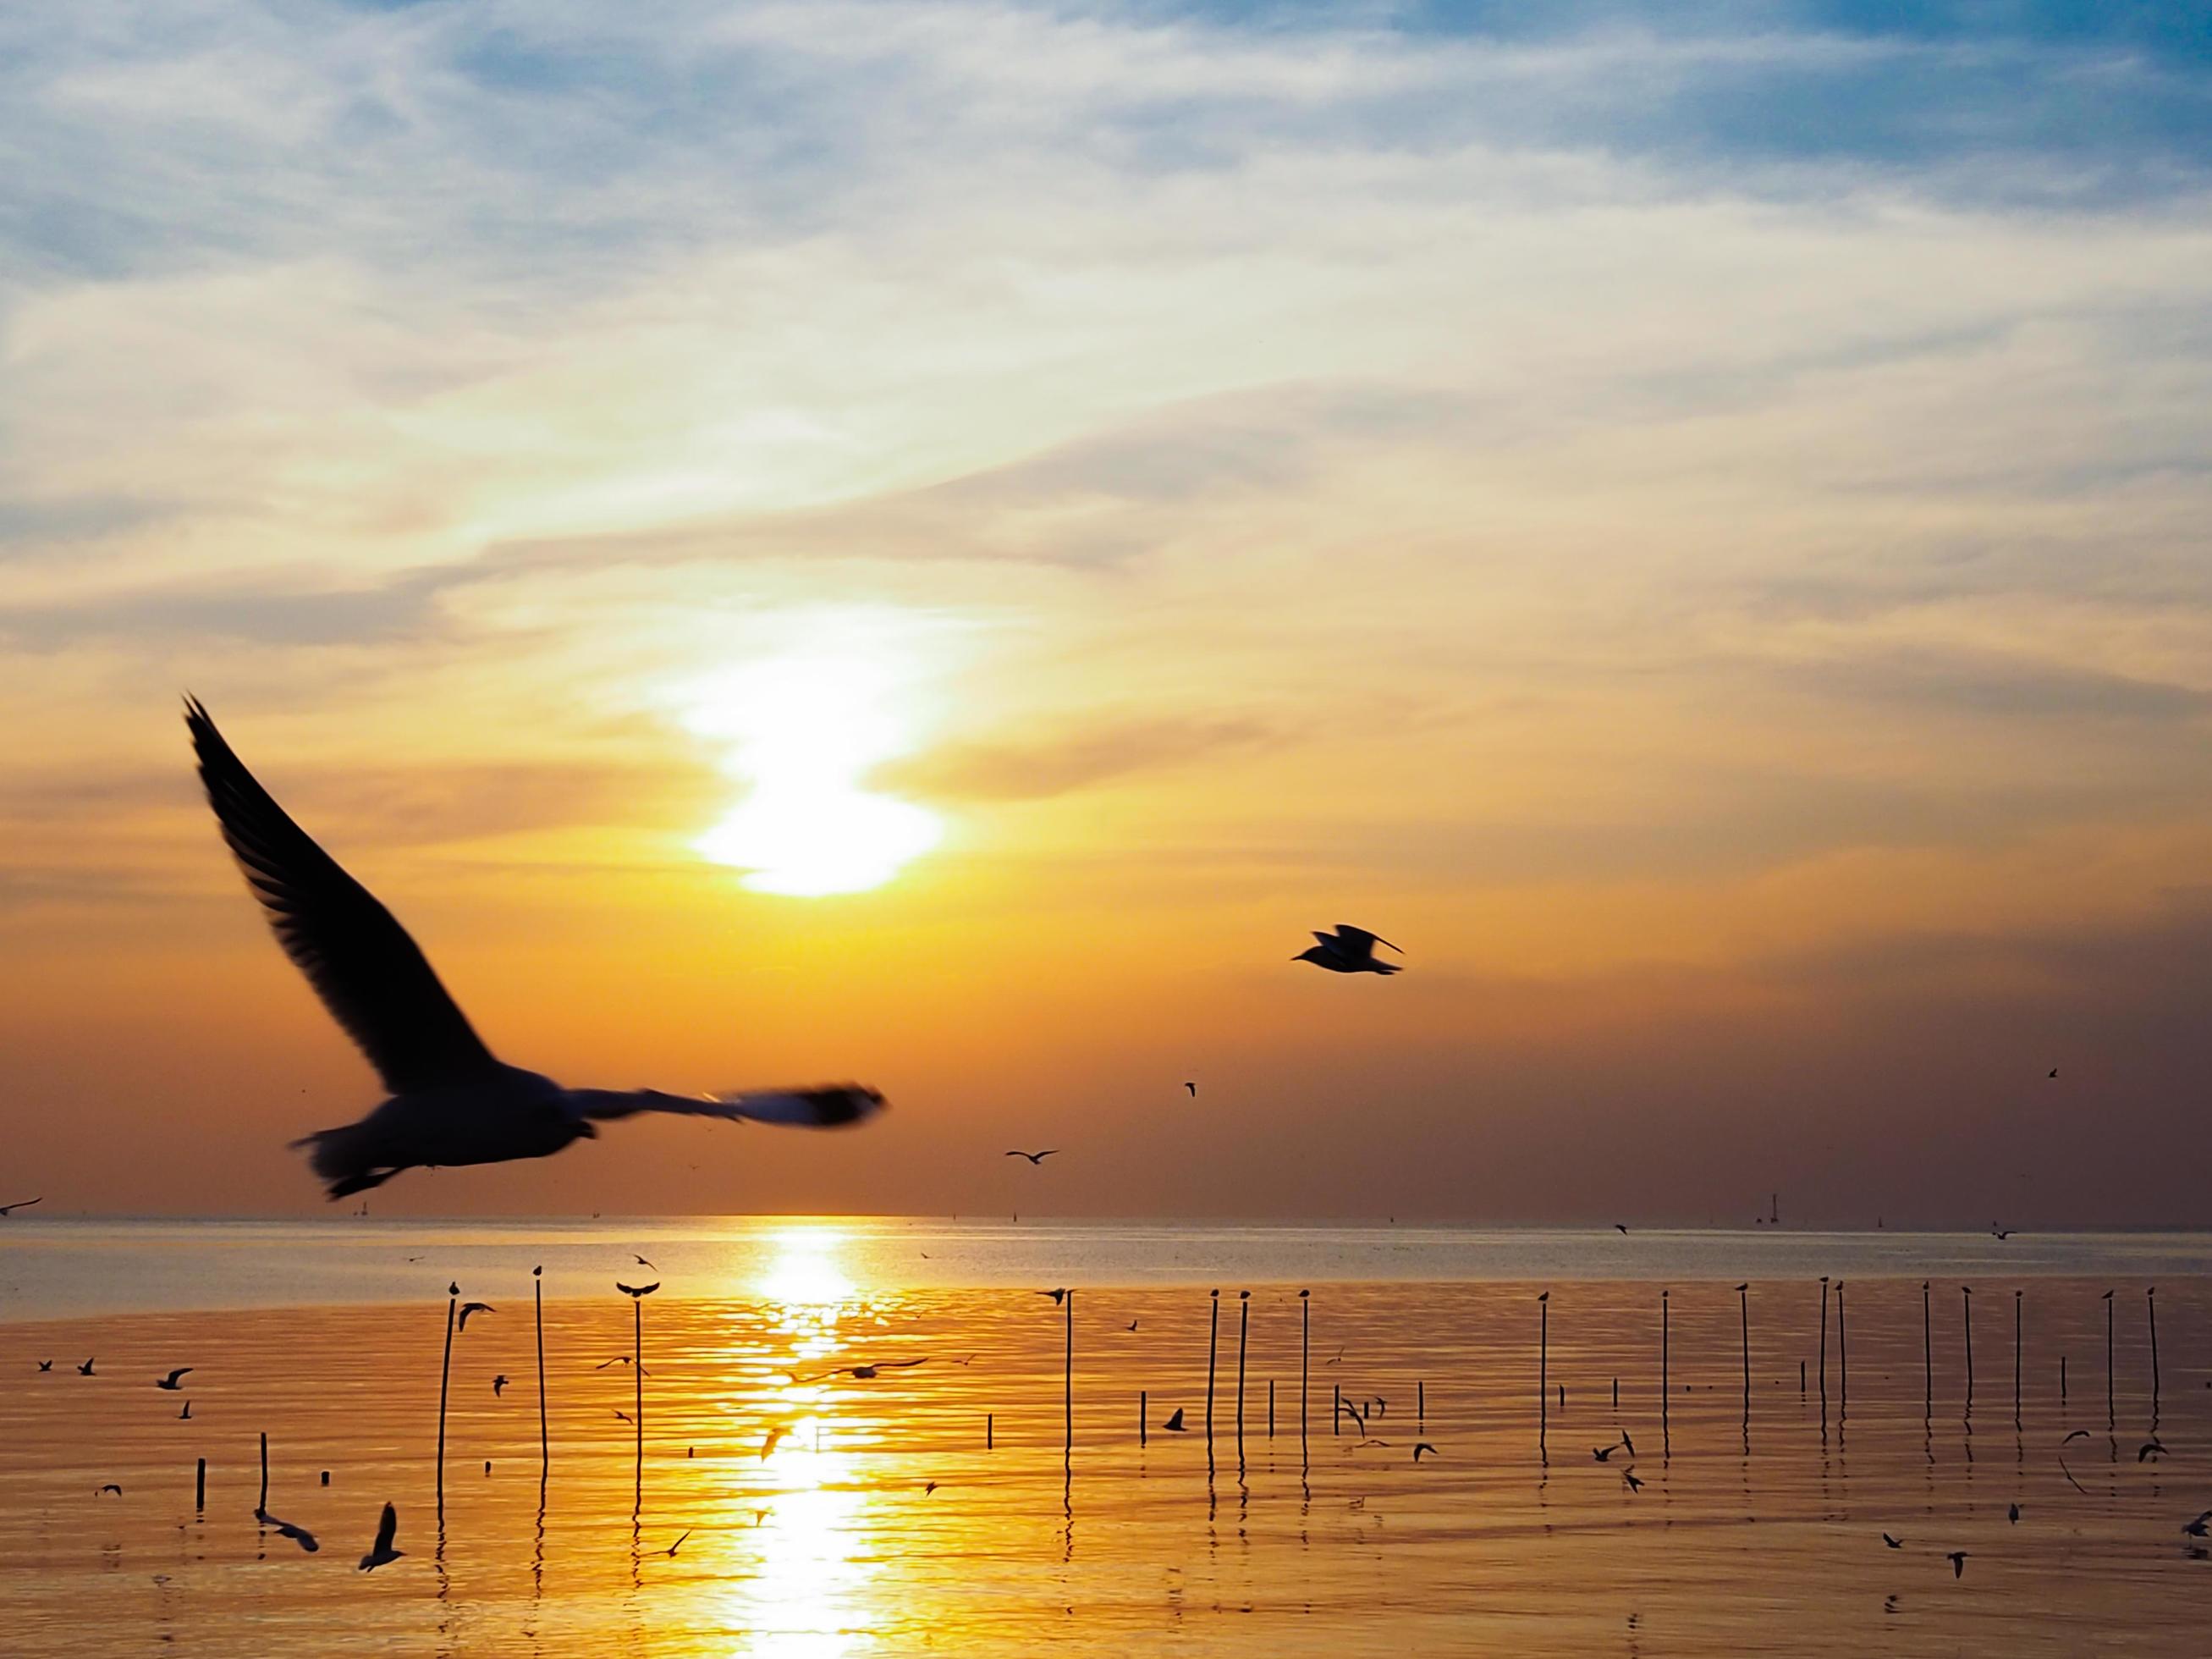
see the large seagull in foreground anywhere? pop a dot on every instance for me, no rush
(451, 1101)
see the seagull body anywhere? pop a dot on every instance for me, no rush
(1349, 949)
(383, 1555)
(7, 1210)
(468, 1308)
(85, 1369)
(1035, 1157)
(170, 1381)
(498, 1383)
(450, 1100)
(45, 1364)
(2196, 1528)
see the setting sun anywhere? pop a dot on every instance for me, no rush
(804, 729)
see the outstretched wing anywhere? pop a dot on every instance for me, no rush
(372, 977)
(1357, 941)
(387, 1529)
(831, 1107)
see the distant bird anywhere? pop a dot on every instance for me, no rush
(1634, 1484)
(1629, 1443)
(1058, 1296)
(1601, 1453)
(468, 1308)
(635, 1291)
(498, 1385)
(450, 1100)
(1358, 1414)
(775, 1435)
(186, 1415)
(170, 1381)
(1336, 1359)
(2078, 1434)
(623, 1416)
(2054, 1070)
(1958, 1560)
(487, 1469)
(620, 1359)
(1174, 1424)
(1618, 1228)
(1193, 1087)
(2013, 1515)
(865, 1373)
(45, 1364)
(7, 1210)
(382, 1554)
(110, 1487)
(85, 1369)
(2153, 1447)
(1420, 1446)
(671, 1551)
(1035, 1158)
(298, 1536)
(1132, 1324)
(1997, 1231)
(928, 1487)
(1892, 1542)
(1349, 949)
(649, 1268)
(2195, 1528)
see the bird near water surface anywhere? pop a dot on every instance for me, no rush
(449, 1100)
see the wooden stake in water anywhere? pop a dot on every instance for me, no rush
(445, 1377)
(1543, 1367)
(2016, 1295)
(1824, 1350)
(2108, 1359)
(2062, 1379)
(545, 1445)
(1967, 1299)
(1068, 1385)
(1144, 1411)
(637, 1397)
(1335, 1407)
(1243, 1328)
(1743, 1309)
(262, 1503)
(2150, 1301)
(1212, 1344)
(1843, 1358)
(1666, 1386)
(1420, 1405)
(990, 1432)
(1271, 1408)
(1926, 1355)
(199, 1487)
(1305, 1358)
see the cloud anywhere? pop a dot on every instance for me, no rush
(1081, 759)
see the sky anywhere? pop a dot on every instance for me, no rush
(931, 543)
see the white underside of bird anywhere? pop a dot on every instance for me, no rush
(451, 1101)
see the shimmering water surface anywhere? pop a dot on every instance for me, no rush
(1757, 1527)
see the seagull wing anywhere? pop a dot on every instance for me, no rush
(369, 974)
(1357, 941)
(831, 1107)
(386, 1529)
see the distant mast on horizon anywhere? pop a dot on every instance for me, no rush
(1774, 1209)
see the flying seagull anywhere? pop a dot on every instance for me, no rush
(1420, 1446)
(671, 1551)
(1193, 1087)
(45, 1364)
(498, 1383)
(635, 1291)
(449, 1101)
(1035, 1157)
(170, 1381)
(1958, 1560)
(2013, 1515)
(1634, 1484)
(1997, 1231)
(649, 1268)
(2195, 1528)
(468, 1308)
(1893, 1543)
(85, 1369)
(19, 1203)
(383, 1554)
(186, 1415)
(2054, 1070)
(2151, 1448)
(110, 1487)
(1174, 1424)
(865, 1373)
(1618, 1228)
(1058, 1296)
(299, 1536)
(1349, 949)
(779, 1432)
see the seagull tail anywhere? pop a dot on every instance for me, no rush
(346, 1158)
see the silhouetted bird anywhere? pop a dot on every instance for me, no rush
(7, 1210)
(2151, 1448)
(1601, 1453)
(1618, 1228)
(1629, 1443)
(1132, 1324)
(468, 1308)
(1349, 949)
(2078, 1434)
(381, 1554)
(1058, 1296)
(1892, 1542)
(110, 1487)
(2054, 1070)
(1035, 1157)
(1958, 1560)
(1193, 1087)
(636, 1291)
(170, 1381)
(928, 1487)
(1420, 1446)
(1997, 1231)
(298, 1536)
(671, 1551)
(186, 1415)
(864, 1373)
(2195, 1528)
(2012, 1514)
(45, 1364)
(498, 1385)
(1174, 1424)
(769, 1442)
(1634, 1484)
(623, 1416)
(450, 1100)
(85, 1369)
(649, 1268)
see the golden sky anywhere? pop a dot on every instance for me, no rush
(1697, 531)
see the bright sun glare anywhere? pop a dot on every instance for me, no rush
(803, 729)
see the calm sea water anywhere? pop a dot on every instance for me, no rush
(1757, 1527)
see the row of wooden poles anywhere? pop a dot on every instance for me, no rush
(1305, 1359)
